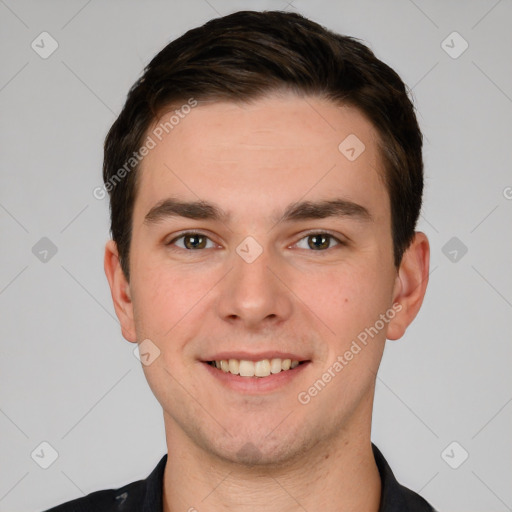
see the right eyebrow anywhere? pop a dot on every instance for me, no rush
(171, 207)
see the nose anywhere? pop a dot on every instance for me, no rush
(254, 295)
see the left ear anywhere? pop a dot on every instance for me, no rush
(410, 285)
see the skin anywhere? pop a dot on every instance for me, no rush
(253, 160)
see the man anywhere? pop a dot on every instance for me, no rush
(265, 179)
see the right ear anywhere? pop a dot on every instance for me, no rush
(120, 290)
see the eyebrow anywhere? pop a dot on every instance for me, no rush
(303, 210)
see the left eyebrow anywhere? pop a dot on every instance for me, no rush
(307, 210)
(304, 210)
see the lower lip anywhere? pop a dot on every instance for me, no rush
(256, 385)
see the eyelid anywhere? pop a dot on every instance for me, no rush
(338, 238)
(341, 241)
(177, 236)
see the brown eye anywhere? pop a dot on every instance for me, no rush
(192, 241)
(319, 241)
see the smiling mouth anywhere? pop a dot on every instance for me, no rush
(263, 368)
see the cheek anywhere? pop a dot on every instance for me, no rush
(172, 304)
(349, 300)
(169, 305)
(165, 298)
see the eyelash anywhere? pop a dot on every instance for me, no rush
(311, 233)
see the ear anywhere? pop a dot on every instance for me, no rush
(410, 285)
(120, 290)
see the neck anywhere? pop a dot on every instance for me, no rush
(335, 475)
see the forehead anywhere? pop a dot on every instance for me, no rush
(271, 152)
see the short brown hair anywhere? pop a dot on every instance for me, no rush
(246, 55)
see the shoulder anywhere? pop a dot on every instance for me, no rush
(405, 499)
(136, 496)
(127, 498)
(395, 497)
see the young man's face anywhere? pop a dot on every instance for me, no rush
(253, 286)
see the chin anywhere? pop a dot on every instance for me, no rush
(254, 456)
(259, 450)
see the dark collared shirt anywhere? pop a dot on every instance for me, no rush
(146, 495)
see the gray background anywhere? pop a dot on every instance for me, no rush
(68, 377)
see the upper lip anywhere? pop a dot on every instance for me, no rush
(246, 356)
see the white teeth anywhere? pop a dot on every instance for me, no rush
(234, 366)
(262, 368)
(275, 365)
(246, 368)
